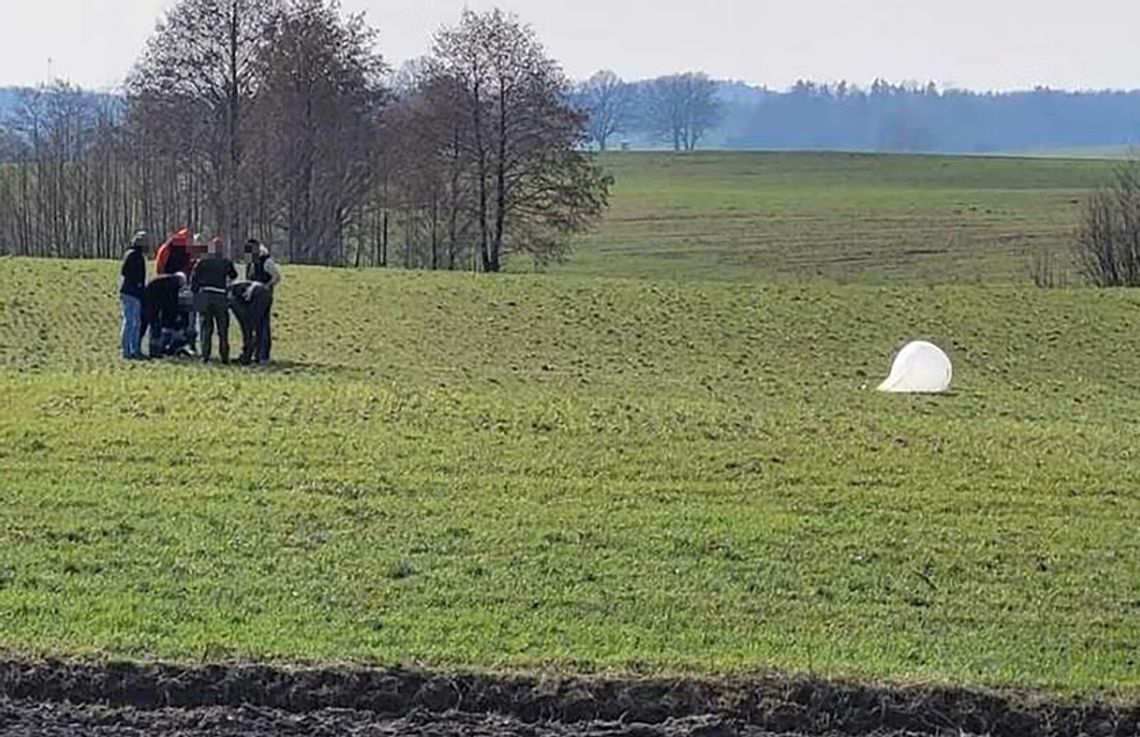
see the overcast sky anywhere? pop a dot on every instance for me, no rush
(979, 44)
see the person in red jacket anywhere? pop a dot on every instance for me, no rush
(174, 256)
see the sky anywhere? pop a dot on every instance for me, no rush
(973, 44)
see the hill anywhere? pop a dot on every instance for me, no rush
(867, 218)
(581, 474)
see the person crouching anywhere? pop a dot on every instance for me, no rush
(250, 301)
(162, 310)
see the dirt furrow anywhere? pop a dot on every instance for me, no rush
(126, 699)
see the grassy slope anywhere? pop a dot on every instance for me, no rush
(582, 473)
(843, 217)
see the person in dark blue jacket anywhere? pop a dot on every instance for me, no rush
(132, 290)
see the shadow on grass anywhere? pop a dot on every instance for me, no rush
(280, 368)
(303, 368)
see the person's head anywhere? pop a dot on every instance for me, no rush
(140, 240)
(198, 246)
(217, 246)
(252, 246)
(181, 238)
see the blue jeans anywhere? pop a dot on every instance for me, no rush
(132, 325)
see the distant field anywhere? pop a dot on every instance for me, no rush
(585, 474)
(1079, 152)
(863, 218)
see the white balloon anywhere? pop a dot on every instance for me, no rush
(920, 368)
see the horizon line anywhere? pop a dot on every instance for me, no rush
(830, 85)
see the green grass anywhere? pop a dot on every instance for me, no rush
(863, 218)
(582, 474)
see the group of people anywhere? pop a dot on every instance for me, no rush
(190, 297)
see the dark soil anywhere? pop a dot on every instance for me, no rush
(19, 718)
(57, 698)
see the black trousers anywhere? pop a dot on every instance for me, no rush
(265, 337)
(250, 316)
(216, 314)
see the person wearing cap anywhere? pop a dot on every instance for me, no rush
(210, 281)
(251, 301)
(161, 309)
(132, 289)
(262, 269)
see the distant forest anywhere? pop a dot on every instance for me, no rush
(884, 117)
(908, 119)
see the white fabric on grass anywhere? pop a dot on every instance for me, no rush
(920, 368)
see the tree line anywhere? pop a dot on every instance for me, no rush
(677, 110)
(687, 110)
(278, 119)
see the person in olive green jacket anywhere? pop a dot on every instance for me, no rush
(210, 282)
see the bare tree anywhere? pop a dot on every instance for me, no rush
(56, 192)
(606, 99)
(1108, 240)
(316, 113)
(269, 117)
(200, 69)
(430, 140)
(681, 108)
(532, 184)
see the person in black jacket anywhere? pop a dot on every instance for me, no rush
(263, 269)
(132, 287)
(161, 301)
(210, 282)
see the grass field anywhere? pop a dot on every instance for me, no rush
(583, 474)
(837, 217)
